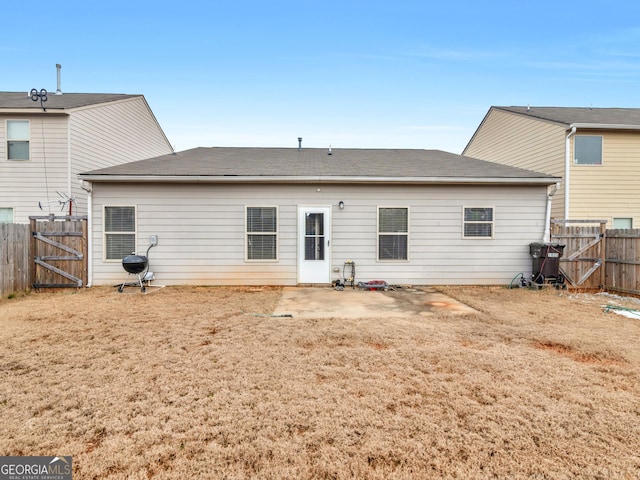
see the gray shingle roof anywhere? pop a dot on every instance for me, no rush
(571, 115)
(20, 100)
(290, 164)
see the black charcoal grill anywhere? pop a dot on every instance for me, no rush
(136, 265)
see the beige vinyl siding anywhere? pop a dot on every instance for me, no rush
(201, 232)
(611, 189)
(24, 183)
(511, 139)
(112, 134)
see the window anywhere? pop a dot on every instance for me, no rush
(119, 232)
(393, 233)
(17, 139)
(622, 223)
(478, 222)
(6, 215)
(262, 233)
(587, 150)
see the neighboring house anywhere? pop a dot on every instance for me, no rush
(274, 216)
(595, 150)
(43, 150)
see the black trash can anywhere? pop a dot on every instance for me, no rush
(546, 262)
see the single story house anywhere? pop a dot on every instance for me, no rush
(287, 216)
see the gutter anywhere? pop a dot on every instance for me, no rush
(314, 179)
(87, 187)
(567, 168)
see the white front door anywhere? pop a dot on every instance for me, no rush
(314, 237)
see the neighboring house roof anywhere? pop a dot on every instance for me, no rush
(221, 164)
(582, 116)
(22, 100)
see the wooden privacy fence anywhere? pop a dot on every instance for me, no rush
(15, 259)
(59, 251)
(623, 261)
(596, 258)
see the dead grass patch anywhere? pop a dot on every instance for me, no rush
(583, 357)
(185, 384)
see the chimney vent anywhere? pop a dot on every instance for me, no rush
(58, 90)
(299, 143)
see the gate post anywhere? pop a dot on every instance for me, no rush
(32, 252)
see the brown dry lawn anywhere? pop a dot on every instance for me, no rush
(191, 383)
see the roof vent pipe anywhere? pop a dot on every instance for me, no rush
(58, 67)
(299, 143)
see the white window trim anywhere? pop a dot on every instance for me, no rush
(247, 233)
(104, 231)
(407, 234)
(492, 222)
(7, 139)
(589, 164)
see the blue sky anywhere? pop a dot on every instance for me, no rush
(357, 74)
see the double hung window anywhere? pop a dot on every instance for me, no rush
(119, 232)
(17, 139)
(262, 233)
(393, 233)
(478, 222)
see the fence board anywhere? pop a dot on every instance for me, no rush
(14, 258)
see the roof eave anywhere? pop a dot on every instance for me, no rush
(316, 179)
(603, 126)
(32, 111)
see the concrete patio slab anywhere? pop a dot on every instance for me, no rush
(325, 302)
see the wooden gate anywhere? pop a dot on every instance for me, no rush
(583, 262)
(59, 251)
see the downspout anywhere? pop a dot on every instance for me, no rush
(567, 167)
(69, 192)
(546, 237)
(86, 186)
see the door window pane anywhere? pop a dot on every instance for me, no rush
(314, 237)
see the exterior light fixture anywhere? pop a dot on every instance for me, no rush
(341, 205)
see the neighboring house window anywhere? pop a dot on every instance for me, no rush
(6, 215)
(478, 222)
(622, 223)
(18, 139)
(393, 233)
(119, 232)
(262, 233)
(588, 150)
